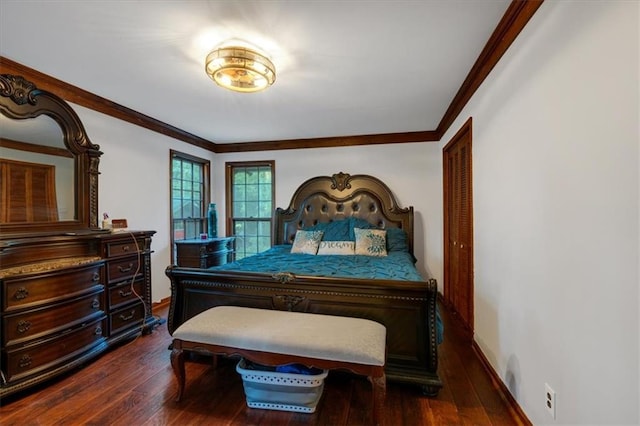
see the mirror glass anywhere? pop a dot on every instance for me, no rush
(28, 147)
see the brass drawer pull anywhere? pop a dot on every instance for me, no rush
(25, 361)
(95, 304)
(128, 317)
(21, 293)
(121, 269)
(98, 331)
(125, 248)
(122, 293)
(96, 277)
(23, 326)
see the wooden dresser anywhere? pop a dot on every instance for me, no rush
(83, 294)
(205, 253)
(68, 289)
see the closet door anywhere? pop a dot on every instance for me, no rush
(28, 192)
(458, 226)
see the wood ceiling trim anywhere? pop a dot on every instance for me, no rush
(87, 99)
(329, 142)
(30, 147)
(513, 21)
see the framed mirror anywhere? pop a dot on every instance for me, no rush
(49, 168)
(37, 172)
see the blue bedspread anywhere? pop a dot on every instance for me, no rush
(397, 265)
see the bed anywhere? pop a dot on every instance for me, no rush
(402, 301)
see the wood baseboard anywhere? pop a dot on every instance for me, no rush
(514, 408)
(163, 303)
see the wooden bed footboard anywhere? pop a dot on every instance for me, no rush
(406, 308)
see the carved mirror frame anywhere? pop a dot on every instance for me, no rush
(22, 100)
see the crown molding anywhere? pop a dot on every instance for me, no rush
(329, 142)
(513, 21)
(87, 99)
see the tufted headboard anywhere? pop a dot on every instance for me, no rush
(329, 198)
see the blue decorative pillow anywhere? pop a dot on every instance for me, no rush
(371, 242)
(354, 222)
(397, 240)
(338, 230)
(306, 242)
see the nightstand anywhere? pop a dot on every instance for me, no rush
(205, 253)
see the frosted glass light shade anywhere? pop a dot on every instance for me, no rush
(240, 69)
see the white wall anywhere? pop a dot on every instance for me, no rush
(413, 171)
(134, 182)
(555, 173)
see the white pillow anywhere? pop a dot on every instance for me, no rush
(337, 247)
(371, 242)
(306, 242)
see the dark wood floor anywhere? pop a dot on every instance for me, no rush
(133, 384)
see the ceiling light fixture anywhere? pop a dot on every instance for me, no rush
(240, 69)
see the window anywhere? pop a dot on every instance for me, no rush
(189, 197)
(250, 194)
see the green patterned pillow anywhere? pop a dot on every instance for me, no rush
(306, 242)
(371, 242)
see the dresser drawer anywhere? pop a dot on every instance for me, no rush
(123, 294)
(126, 318)
(36, 323)
(123, 269)
(53, 352)
(127, 247)
(27, 292)
(216, 259)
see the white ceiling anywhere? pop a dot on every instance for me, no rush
(343, 67)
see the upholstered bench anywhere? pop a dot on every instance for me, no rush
(271, 337)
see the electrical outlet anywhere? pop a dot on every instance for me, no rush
(550, 400)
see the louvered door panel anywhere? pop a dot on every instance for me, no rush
(28, 192)
(458, 286)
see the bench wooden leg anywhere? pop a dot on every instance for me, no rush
(379, 392)
(177, 363)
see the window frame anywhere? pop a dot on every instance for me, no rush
(206, 193)
(229, 168)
